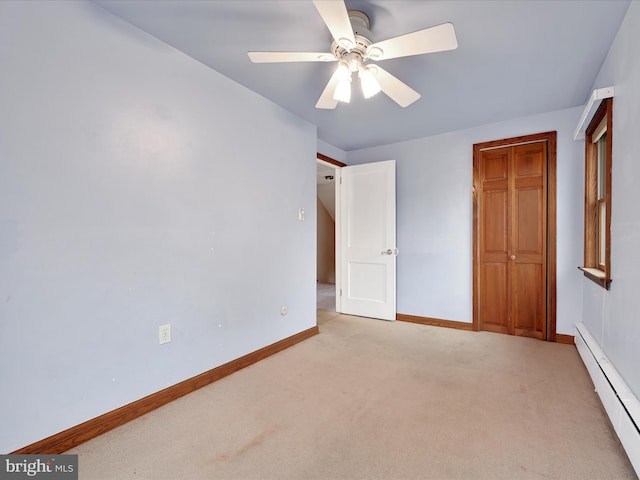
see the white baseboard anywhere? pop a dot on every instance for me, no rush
(619, 402)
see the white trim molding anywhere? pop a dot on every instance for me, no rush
(587, 115)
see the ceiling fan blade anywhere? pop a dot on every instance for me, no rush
(434, 39)
(335, 16)
(274, 57)
(326, 100)
(398, 91)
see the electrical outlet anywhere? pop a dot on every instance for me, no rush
(165, 333)
(284, 310)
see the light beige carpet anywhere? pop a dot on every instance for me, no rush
(368, 399)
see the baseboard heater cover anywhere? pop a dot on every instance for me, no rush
(619, 402)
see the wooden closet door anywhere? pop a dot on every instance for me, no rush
(495, 298)
(528, 240)
(512, 223)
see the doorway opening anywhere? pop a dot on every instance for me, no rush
(327, 250)
(364, 253)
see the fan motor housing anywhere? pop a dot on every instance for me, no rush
(363, 36)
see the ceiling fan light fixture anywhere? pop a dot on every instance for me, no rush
(343, 71)
(352, 45)
(370, 86)
(343, 91)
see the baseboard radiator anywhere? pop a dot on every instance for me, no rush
(619, 402)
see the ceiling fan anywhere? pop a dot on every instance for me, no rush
(352, 47)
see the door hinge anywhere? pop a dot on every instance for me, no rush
(340, 292)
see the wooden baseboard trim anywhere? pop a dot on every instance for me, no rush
(67, 439)
(562, 338)
(436, 322)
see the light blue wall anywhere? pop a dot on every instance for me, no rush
(613, 317)
(435, 218)
(137, 188)
(331, 151)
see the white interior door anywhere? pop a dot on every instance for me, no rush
(368, 240)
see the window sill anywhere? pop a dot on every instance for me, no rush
(597, 276)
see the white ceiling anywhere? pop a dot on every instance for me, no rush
(515, 58)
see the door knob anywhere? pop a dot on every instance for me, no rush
(389, 251)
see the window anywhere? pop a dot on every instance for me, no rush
(597, 207)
